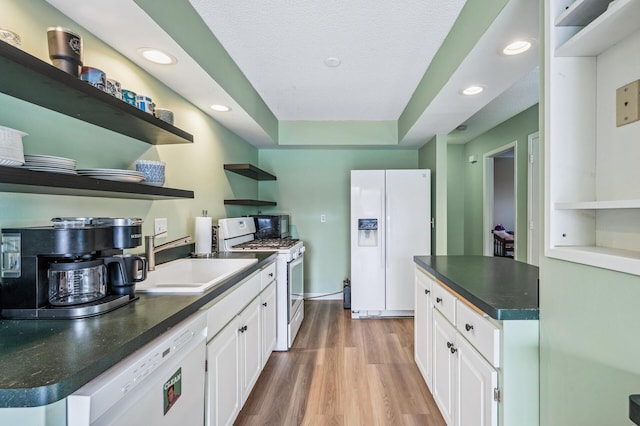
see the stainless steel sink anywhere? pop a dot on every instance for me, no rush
(191, 275)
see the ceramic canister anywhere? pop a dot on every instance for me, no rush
(164, 115)
(65, 49)
(145, 104)
(113, 88)
(95, 77)
(129, 97)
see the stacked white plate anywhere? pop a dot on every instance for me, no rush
(49, 163)
(113, 174)
(11, 151)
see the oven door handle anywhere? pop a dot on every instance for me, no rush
(290, 266)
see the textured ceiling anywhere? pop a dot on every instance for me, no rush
(384, 47)
(267, 61)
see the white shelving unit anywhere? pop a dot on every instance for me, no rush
(614, 24)
(599, 205)
(592, 178)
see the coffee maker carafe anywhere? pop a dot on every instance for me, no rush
(72, 269)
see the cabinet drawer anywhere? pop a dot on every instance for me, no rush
(444, 301)
(267, 275)
(481, 333)
(225, 307)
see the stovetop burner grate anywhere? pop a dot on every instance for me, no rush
(268, 243)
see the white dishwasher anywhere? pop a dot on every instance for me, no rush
(163, 383)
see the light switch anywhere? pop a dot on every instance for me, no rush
(628, 103)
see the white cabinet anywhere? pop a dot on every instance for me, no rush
(250, 333)
(463, 382)
(242, 334)
(476, 382)
(423, 325)
(233, 364)
(444, 301)
(592, 196)
(223, 377)
(444, 366)
(481, 333)
(268, 304)
(475, 360)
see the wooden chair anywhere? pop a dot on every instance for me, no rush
(503, 247)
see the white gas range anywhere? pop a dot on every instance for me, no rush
(238, 235)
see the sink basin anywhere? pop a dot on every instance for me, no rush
(191, 275)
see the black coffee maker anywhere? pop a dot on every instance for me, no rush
(72, 269)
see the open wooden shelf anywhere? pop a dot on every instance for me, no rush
(250, 203)
(15, 179)
(28, 78)
(250, 171)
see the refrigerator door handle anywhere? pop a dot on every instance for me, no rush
(387, 228)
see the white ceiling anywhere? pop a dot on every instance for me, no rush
(384, 50)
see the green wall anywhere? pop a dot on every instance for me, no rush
(312, 182)
(197, 166)
(589, 349)
(427, 160)
(455, 199)
(516, 130)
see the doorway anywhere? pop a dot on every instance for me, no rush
(500, 200)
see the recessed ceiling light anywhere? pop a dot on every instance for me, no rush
(516, 47)
(157, 56)
(220, 108)
(472, 90)
(332, 62)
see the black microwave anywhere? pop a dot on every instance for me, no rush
(272, 226)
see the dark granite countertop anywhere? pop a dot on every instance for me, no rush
(501, 287)
(43, 361)
(634, 408)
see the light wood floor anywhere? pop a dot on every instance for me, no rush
(343, 372)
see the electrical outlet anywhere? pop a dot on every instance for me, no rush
(323, 218)
(628, 103)
(160, 227)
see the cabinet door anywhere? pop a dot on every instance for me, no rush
(422, 325)
(250, 346)
(445, 362)
(268, 299)
(476, 380)
(223, 376)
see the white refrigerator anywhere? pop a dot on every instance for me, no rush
(390, 224)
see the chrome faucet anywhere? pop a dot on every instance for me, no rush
(150, 249)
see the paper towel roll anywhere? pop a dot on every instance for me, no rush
(203, 235)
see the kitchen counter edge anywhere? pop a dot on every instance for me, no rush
(67, 383)
(488, 303)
